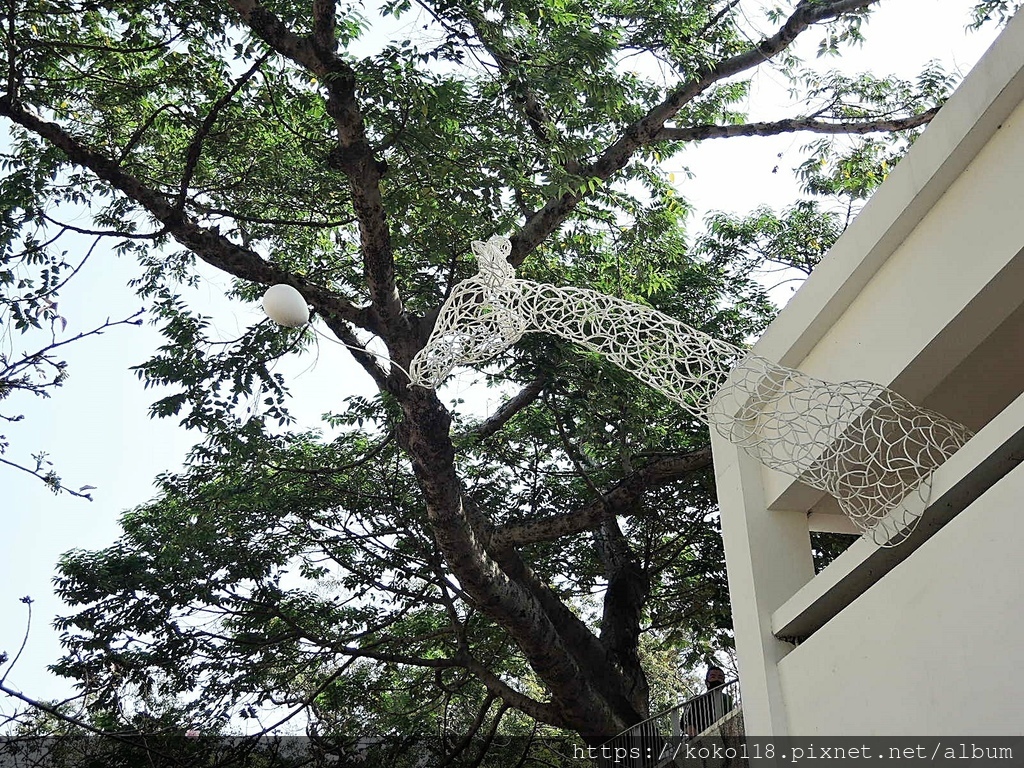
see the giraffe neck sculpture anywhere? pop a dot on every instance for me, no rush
(861, 442)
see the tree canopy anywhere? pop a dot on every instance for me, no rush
(410, 571)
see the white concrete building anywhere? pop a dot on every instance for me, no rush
(925, 294)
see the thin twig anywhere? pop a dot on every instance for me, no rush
(196, 146)
(51, 480)
(24, 640)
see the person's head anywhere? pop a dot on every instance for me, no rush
(715, 677)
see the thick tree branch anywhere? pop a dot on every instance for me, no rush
(645, 131)
(617, 501)
(545, 713)
(398, 658)
(208, 244)
(508, 409)
(625, 689)
(353, 155)
(325, 24)
(275, 33)
(701, 132)
(368, 362)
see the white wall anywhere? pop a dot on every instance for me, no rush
(935, 648)
(958, 249)
(954, 279)
(921, 294)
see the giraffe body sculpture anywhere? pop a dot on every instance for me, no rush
(861, 442)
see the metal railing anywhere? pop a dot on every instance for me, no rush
(653, 742)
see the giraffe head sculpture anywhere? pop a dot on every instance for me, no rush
(483, 316)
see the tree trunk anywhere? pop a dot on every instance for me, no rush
(597, 688)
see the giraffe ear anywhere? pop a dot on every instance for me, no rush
(492, 257)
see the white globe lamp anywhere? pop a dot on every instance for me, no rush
(285, 306)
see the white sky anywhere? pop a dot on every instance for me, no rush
(96, 427)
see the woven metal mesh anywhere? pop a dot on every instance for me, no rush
(864, 444)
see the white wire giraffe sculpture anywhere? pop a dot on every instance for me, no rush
(861, 442)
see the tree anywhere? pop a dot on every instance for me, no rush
(34, 267)
(421, 575)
